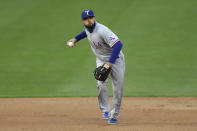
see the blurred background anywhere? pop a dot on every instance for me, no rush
(159, 38)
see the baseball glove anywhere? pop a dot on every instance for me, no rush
(101, 73)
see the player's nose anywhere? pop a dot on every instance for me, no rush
(88, 19)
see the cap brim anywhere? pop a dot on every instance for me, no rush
(88, 16)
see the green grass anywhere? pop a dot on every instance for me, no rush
(159, 37)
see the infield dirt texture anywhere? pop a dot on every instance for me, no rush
(82, 114)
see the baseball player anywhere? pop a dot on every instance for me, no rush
(109, 61)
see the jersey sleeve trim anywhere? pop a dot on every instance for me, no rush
(115, 42)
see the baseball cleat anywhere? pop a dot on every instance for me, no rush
(112, 121)
(105, 115)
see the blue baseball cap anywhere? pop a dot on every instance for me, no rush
(87, 13)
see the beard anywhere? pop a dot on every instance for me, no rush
(89, 26)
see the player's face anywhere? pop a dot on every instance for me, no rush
(89, 22)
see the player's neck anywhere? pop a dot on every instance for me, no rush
(91, 29)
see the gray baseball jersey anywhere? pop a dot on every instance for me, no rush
(102, 39)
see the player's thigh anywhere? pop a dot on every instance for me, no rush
(99, 62)
(117, 72)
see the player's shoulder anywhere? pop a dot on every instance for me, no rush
(102, 28)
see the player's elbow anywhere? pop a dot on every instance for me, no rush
(118, 45)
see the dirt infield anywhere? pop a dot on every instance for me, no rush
(76, 114)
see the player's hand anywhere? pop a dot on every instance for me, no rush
(108, 65)
(71, 42)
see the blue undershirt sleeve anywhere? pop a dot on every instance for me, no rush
(115, 52)
(81, 35)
